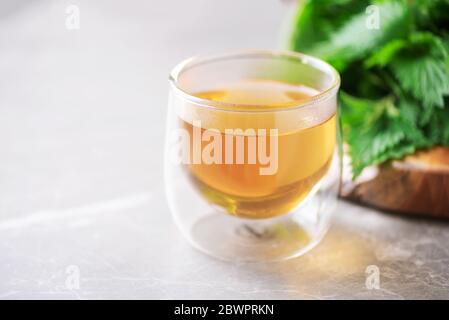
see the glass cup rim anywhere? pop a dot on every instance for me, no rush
(250, 108)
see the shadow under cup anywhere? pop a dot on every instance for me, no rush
(252, 181)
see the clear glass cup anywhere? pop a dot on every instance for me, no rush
(253, 210)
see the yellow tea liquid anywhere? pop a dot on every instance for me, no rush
(304, 155)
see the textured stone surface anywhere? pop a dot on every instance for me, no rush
(82, 118)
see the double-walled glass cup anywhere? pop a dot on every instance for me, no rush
(252, 181)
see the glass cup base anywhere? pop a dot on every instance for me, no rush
(246, 240)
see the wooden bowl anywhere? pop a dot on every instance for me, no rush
(416, 185)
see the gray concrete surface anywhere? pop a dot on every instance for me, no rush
(82, 116)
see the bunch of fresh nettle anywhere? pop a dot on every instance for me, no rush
(393, 57)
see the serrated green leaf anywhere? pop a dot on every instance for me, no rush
(378, 131)
(432, 15)
(406, 61)
(355, 39)
(317, 20)
(438, 127)
(425, 78)
(383, 56)
(421, 70)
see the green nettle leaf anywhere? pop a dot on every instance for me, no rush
(432, 15)
(421, 69)
(439, 128)
(355, 39)
(386, 53)
(317, 20)
(395, 79)
(445, 139)
(375, 145)
(378, 131)
(373, 130)
(425, 78)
